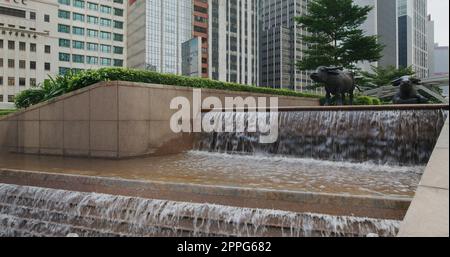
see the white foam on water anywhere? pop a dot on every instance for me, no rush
(31, 211)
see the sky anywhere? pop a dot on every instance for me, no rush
(439, 13)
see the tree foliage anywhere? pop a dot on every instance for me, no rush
(335, 37)
(383, 76)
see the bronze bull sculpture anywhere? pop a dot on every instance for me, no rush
(337, 83)
(407, 93)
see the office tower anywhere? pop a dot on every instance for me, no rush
(382, 21)
(430, 45)
(200, 30)
(28, 46)
(91, 34)
(233, 41)
(412, 30)
(156, 31)
(281, 46)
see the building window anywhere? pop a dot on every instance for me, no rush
(64, 2)
(92, 60)
(105, 61)
(118, 63)
(33, 47)
(78, 3)
(11, 63)
(1, 43)
(92, 6)
(32, 16)
(22, 64)
(105, 9)
(47, 66)
(92, 19)
(32, 65)
(32, 82)
(1, 62)
(118, 37)
(47, 49)
(63, 28)
(63, 57)
(22, 82)
(92, 47)
(10, 98)
(118, 24)
(1, 98)
(22, 46)
(118, 50)
(63, 14)
(78, 31)
(78, 17)
(11, 81)
(1, 81)
(77, 58)
(63, 71)
(78, 44)
(64, 42)
(46, 18)
(11, 45)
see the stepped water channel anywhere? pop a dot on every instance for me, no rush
(378, 154)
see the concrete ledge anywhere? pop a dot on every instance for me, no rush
(428, 215)
(301, 202)
(350, 108)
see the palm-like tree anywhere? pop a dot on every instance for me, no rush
(383, 76)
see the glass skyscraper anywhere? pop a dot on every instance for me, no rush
(413, 35)
(157, 30)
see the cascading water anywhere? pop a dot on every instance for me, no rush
(313, 142)
(30, 211)
(402, 137)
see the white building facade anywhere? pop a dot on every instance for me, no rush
(39, 38)
(28, 46)
(91, 34)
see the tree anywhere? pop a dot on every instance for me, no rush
(335, 37)
(383, 76)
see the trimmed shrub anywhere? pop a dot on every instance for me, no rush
(29, 97)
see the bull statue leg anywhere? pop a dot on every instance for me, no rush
(351, 96)
(327, 98)
(340, 97)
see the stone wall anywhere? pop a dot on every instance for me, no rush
(108, 120)
(428, 215)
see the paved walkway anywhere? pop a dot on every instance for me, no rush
(428, 214)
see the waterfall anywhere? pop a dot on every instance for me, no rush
(401, 137)
(31, 211)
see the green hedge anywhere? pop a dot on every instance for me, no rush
(60, 85)
(63, 84)
(6, 112)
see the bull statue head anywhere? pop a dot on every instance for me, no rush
(406, 80)
(322, 72)
(407, 94)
